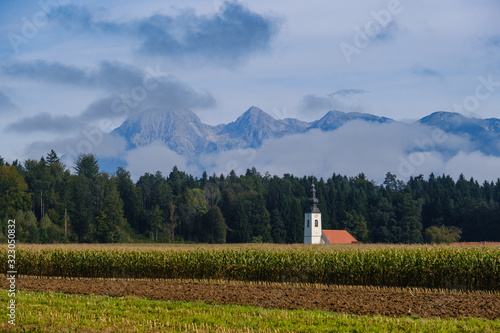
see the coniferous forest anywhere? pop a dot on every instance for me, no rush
(52, 204)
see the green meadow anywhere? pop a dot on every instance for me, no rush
(56, 312)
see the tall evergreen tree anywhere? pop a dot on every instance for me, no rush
(52, 157)
(87, 165)
(130, 195)
(81, 208)
(110, 222)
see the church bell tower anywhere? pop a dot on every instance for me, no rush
(312, 220)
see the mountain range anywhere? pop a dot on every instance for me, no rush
(483, 133)
(183, 131)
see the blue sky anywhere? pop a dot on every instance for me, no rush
(64, 63)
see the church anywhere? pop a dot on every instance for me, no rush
(313, 234)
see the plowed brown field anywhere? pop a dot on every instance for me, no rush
(345, 299)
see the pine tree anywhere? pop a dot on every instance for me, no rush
(110, 222)
(81, 208)
(87, 165)
(130, 195)
(52, 157)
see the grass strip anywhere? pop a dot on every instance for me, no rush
(56, 312)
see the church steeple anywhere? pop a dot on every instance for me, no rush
(313, 202)
(312, 220)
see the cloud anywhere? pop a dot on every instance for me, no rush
(44, 122)
(90, 128)
(426, 72)
(87, 140)
(226, 38)
(6, 104)
(163, 92)
(112, 146)
(356, 147)
(116, 75)
(387, 32)
(130, 90)
(111, 75)
(493, 41)
(347, 92)
(360, 147)
(474, 164)
(79, 18)
(156, 157)
(45, 71)
(312, 103)
(343, 99)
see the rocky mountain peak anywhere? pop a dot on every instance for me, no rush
(184, 133)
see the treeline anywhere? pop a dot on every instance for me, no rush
(51, 204)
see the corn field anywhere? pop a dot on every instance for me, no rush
(469, 268)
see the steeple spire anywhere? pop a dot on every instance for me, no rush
(313, 202)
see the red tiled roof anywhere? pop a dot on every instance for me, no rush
(339, 237)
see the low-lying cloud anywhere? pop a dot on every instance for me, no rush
(357, 147)
(87, 140)
(44, 122)
(156, 157)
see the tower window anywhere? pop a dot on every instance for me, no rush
(308, 223)
(316, 223)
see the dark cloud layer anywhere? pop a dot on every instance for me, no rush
(108, 75)
(44, 122)
(347, 92)
(426, 71)
(164, 92)
(6, 104)
(45, 71)
(387, 32)
(121, 80)
(131, 90)
(313, 102)
(225, 38)
(335, 100)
